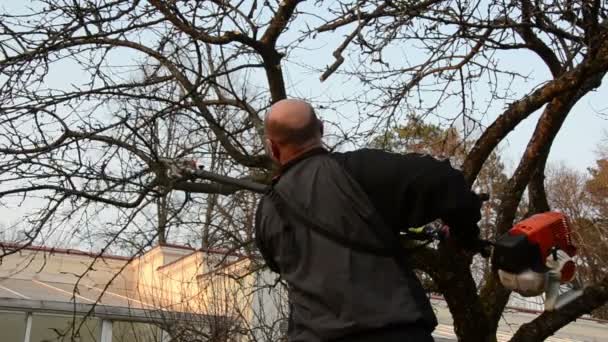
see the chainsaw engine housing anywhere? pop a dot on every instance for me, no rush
(529, 244)
(515, 254)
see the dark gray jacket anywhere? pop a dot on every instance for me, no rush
(336, 291)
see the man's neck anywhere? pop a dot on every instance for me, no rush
(295, 154)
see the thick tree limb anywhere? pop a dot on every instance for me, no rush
(460, 291)
(548, 323)
(279, 22)
(536, 188)
(207, 188)
(449, 269)
(583, 76)
(493, 295)
(226, 185)
(536, 44)
(270, 55)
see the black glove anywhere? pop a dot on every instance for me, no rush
(469, 241)
(465, 231)
(465, 237)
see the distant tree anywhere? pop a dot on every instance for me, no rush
(574, 193)
(597, 187)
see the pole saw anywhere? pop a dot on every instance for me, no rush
(533, 258)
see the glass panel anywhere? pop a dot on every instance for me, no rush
(47, 328)
(135, 332)
(12, 326)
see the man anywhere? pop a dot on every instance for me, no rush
(338, 292)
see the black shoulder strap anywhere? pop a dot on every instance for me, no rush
(293, 210)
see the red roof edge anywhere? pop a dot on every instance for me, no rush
(170, 245)
(17, 247)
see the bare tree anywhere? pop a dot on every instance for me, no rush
(148, 84)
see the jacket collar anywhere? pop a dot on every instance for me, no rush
(310, 153)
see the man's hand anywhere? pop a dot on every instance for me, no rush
(472, 243)
(465, 233)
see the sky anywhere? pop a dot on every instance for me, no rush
(575, 145)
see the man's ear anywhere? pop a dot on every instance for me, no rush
(273, 150)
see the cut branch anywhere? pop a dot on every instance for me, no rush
(227, 185)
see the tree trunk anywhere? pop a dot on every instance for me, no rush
(460, 292)
(162, 212)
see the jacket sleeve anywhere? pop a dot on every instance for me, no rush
(413, 189)
(437, 190)
(261, 237)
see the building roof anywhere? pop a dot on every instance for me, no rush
(8, 247)
(68, 278)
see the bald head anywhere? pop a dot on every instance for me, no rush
(292, 123)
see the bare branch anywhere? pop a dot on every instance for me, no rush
(549, 322)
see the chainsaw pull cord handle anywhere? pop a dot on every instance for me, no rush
(554, 253)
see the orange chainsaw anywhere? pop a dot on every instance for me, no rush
(536, 257)
(533, 258)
